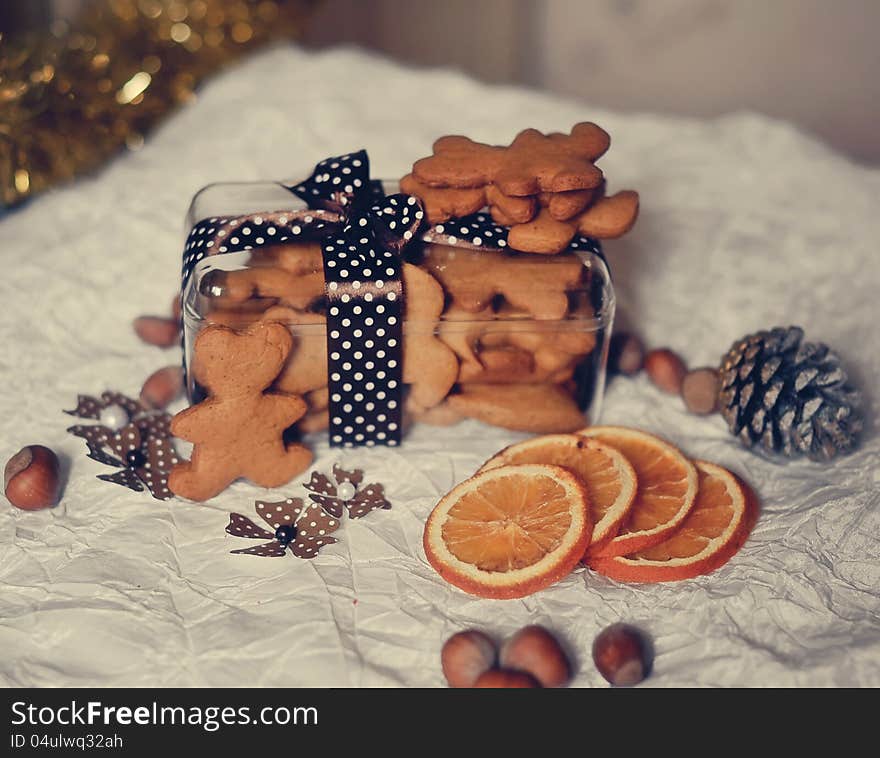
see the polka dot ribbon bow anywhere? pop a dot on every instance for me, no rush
(363, 233)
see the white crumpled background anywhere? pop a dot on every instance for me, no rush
(746, 224)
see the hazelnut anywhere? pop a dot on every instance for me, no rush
(534, 650)
(699, 390)
(621, 655)
(162, 387)
(506, 679)
(154, 330)
(626, 354)
(32, 479)
(465, 656)
(666, 369)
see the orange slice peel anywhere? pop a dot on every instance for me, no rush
(715, 529)
(509, 531)
(667, 487)
(609, 478)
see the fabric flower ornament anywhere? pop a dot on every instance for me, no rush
(142, 449)
(346, 491)
(302, 529)
(111, 408)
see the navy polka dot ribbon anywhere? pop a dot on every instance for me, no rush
(362, 274)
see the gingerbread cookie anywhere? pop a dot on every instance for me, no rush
(461, 329)
(556, 346)
(607, 218)
(518, 210)
(272, 284)
(301, 258)
(439, 415)
(536, 408)
(237, 431)
(508, 364)
(610, 217)
(443, 203)
(318, 399)
(474, 278)
(533, 163)
(459, 162)
(306, 366)
(565, 205)
(545, 187)
(316, 421)
(429, 366)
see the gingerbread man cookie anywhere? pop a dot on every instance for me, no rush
(270, 284)
(606, 218)
(429, 366)
(474, 278)
(237, 430)
(546, 188)
(533, 163)
(444, 203)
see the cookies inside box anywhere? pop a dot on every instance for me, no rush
(511, 339)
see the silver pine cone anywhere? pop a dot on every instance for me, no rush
(789, 396)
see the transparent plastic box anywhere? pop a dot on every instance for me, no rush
(511, 339)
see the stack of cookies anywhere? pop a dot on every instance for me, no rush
(490, 334)
(519, 326)
(546, 188)
(487, 335)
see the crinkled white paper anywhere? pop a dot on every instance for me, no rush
(746, 224)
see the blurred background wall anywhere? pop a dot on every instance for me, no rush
(813, 62)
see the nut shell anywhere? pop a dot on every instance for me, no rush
(621, 655)
(154, 330)
(626, 354)
(666, 370)
(534, 650)
(162, 387)
(699, 390)
(506, 679)
(32, 480)
(466, 656)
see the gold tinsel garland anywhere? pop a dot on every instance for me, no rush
(74, 94)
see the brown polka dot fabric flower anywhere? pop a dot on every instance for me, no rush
(92, 407)
(346, 491)
(131, 438)
(302, 529)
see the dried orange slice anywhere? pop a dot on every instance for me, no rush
(720, 522)
(510, 531)
(608, 476)
(667, 484)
